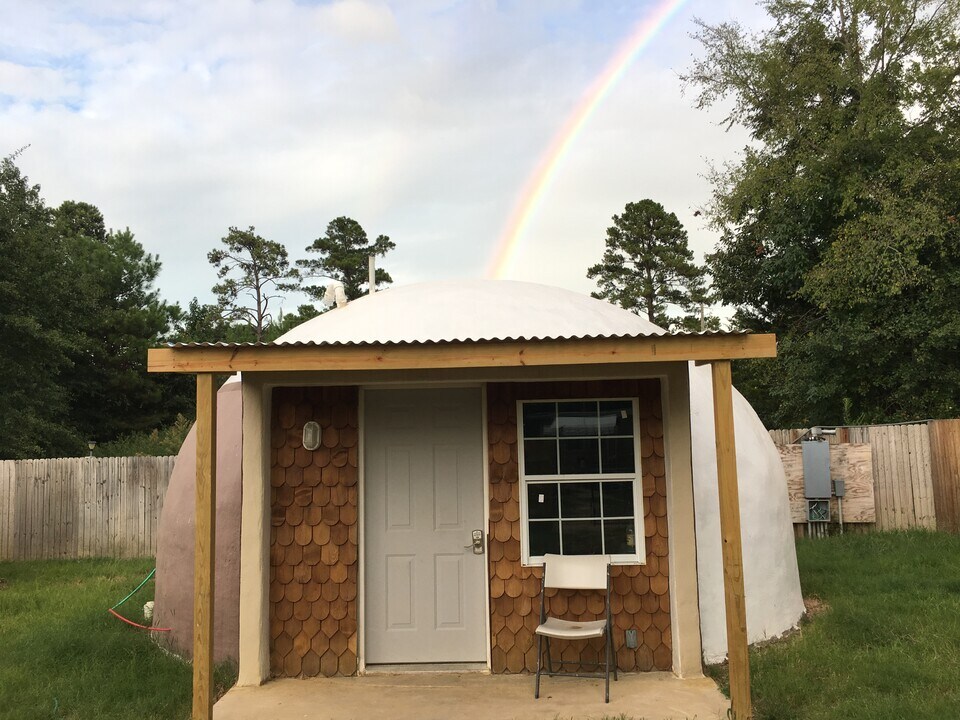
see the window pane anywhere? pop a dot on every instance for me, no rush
(619, 537)
(579, 457)
(545, 537)
(617, 455)
(617, 499)
(577, 419)
(616, 417)
(582, 537)
(539, 420)
(580, 499)
(542, 501)
(540, 457)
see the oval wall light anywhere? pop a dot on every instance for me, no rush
(311, 436)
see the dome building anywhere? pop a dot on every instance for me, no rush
(361, 453)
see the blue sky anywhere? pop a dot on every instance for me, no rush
(420, 119)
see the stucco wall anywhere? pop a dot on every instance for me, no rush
(175, 544)
(770, 575)
(639, 594)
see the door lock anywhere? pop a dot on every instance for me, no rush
(477, 543)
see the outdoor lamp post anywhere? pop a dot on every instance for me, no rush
(91, 444)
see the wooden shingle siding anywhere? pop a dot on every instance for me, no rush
(313, 534)
(640, 593)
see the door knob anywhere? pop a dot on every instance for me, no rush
(477, 543)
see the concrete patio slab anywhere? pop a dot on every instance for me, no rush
(440, 696)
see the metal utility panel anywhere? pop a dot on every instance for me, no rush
(816, 469)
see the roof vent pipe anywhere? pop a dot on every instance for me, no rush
(335, 294)
(373, 274)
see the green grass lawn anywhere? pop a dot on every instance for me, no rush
(887, 645)
(63, 656)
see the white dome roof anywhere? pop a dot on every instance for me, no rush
(488, 310)
(457, 310)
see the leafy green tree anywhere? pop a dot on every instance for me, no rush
(289, 321)
(696, 317)
(205, 323)
(79, 220)
(253, 272)
(159, 441)
(35, 342)
(838, 223)
(344, 251)
(116, 314)
(647, 265)
(77, 313)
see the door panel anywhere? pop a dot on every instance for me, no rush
(400, 580)
(423, 489)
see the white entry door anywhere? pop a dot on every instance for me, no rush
(423, 490)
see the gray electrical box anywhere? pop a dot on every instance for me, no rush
(816, 469)
(839, 488)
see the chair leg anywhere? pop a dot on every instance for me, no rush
(613, 659)
(536, 691)
(549, 656)
(606, 667)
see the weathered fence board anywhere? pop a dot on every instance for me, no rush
(916, 471)
(81, 507)
(945, 472)
(6, 509)
(848, 462)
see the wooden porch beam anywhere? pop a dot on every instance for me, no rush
(733, 590)
(293, 358)
(205, 547)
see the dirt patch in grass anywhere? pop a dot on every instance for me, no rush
(814, 606)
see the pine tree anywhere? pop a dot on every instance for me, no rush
(647, 266)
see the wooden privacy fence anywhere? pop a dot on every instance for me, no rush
(81, 507)
(916, 471)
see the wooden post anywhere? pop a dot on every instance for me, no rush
(205, 544)
(733, 592)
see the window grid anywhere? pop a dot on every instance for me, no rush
(560, 519)
(597, 478)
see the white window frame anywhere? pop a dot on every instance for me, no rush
(636, 477)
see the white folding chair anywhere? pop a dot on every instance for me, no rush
(575, 572)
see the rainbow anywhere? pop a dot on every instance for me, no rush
(539, 182)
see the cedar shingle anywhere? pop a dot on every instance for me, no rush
(650, 603)
(301, 573)
(313, 534)
(663, 658)
(293, 556)
(348, 662)
(311, 593)
(329, 663)
(320, 608)
(283, 644)
(284, 573)
(310, 666)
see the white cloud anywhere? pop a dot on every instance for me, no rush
(359, 20)
(421, 120)
(36, 84)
